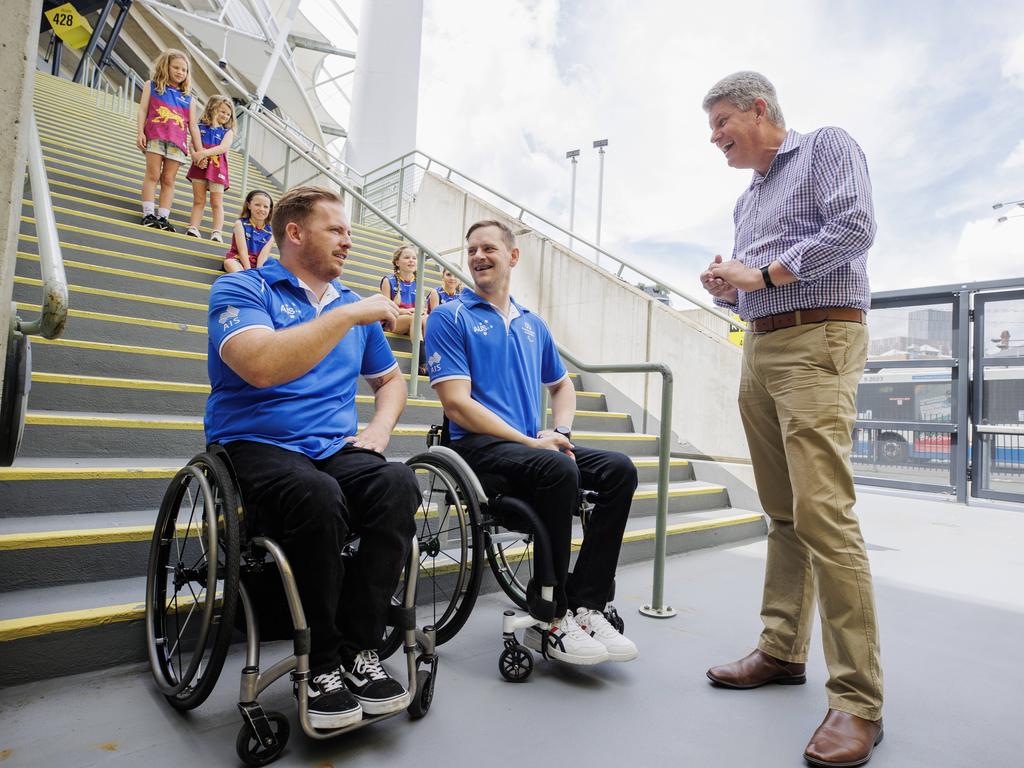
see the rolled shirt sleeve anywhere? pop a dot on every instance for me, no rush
(446, 349)
(236, 304)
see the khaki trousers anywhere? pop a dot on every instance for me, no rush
(798, 404)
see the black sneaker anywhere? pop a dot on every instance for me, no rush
(376, 691)
(331, 704)
(164, 224)
(150, 220)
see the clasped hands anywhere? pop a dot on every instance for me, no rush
(722, 278)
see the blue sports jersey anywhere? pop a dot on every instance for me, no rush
(402, 292)
(212, 136)
(312, 414)
(444, 298)
(255, 239)
(467, 339)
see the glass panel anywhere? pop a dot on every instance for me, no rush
(1002, 399)
(1001, 464)
(903, 394)
(1004, 328)
(911, 333)
(902, 454)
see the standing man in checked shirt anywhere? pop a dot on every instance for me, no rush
(798, 277)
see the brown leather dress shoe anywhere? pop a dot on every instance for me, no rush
(843, 741)
(756, 670)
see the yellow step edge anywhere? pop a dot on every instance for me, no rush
(73, 289)
(111, 382)
(42, 419)
(12, 474)
(66, 246)
(124, 273)
(654, 462)
(65, 621)
(104, 346)
(675, 493)
(88, 315)
(692, 527)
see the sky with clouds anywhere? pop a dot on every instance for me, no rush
(933, 92)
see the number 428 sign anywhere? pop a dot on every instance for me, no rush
(69, 25)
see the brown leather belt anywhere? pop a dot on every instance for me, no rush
(804, 316)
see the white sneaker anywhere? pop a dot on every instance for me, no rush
(565, 642)
(594, 623)
(192, 232)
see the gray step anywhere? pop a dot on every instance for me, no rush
(55, 486)
(49, 550)
(60, 630)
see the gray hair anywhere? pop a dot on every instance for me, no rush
(740, 89)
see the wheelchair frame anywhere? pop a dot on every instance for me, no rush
(264, 734)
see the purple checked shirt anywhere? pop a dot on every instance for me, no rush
(812, 211)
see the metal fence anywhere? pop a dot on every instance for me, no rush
(941, 404)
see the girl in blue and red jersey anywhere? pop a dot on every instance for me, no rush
(252, 235)
(400, 287)
(166, 125)
(209, 169)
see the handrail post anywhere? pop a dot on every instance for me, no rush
(245, 153)
(287, 164)
(414, 330)
(401, 191)
(657, 608)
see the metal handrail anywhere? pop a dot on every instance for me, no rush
(656, 608)
(523, 210)
(54, 310)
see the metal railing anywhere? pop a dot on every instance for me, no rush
(54, 309)
(393, 175)
(656, 607)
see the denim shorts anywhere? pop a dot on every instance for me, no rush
(166, 149)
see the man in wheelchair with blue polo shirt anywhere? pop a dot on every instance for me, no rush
(287, 345)
(488, 357)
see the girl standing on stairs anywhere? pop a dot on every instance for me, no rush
(400, 287)
(252, 235)
(166, 123)
(210, 164)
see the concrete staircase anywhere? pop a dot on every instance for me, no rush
(116, 403)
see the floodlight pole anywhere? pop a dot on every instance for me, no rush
(574, 156)
(599, 145)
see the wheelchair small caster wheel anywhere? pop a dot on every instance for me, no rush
(252, 751)
(515, 663)
(424, 694)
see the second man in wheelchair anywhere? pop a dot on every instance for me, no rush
(488, 357)
(288, 343)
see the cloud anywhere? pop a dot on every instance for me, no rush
(990, 250)
(1015, 159)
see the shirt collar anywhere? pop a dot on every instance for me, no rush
(791, 143)
(275, 272)
(471, 299)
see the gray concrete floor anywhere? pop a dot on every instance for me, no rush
(951, 610)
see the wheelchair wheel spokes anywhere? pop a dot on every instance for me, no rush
(511, 559)
(449, 544)
(192, 584)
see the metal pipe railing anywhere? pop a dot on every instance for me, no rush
(523, 210)
(656, 607)
(54, 310)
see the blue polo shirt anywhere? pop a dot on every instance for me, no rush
(312, 414)
(506, 363)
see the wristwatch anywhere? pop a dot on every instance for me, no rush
(564, 432)
(767, 277)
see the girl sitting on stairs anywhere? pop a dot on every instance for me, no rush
(210, 164)
(251, 239)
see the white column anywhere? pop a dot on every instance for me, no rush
(284, 28)
(385, 93)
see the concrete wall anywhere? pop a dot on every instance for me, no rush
(602, 319)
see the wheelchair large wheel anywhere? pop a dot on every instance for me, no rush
(192, 582)
(451, 551)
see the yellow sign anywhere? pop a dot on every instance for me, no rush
(736, 337)
(70, 25)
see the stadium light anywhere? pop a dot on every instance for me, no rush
(599, 145)
(997, 206)
(573, 155)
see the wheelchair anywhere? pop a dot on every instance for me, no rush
(459, 525)
(199, 562)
